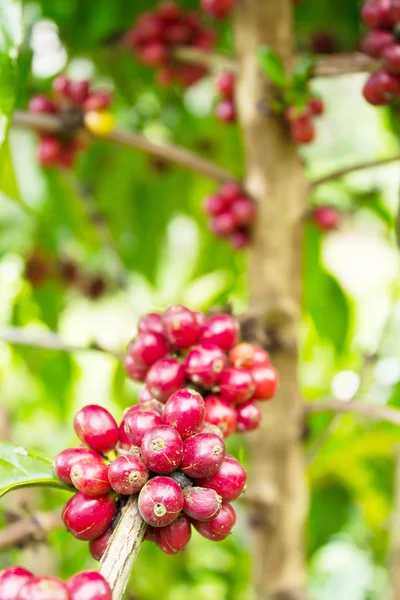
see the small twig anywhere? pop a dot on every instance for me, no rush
(371, 411)
(206, 59)
(49, 341)
(123, 548)
(168, 152)
(344, 64)
(34, 528)
(369, 164)
(394, 560)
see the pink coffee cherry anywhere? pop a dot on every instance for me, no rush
(219, 9)
(215, 205)
(134, 370)
(160, 501)
(180, 326)
(236, 385)
(221, 413)
(90, 476)
(222, 330)
(136, 423)
(185, 411)
(88, 585)
(248, 416)
(151, 322)
(244, 210)
(96, 427)
(266, 381)
(87, 517)
(326, 218)
(43, 588)
(12, 580)
(147, 348)
(226, 111)
(162, 449)
(225, 84)
(98, 546)
(239, 239)
(127, 474)
(78, 91)
(164, 378)
(49, 151)
(220, 527)
(61, 85)
(201, 503)
(204, 364)
(203, 454)
(174, 537)
(42, 104)
(67, 458)
(229, 481)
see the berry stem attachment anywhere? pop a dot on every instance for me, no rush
(123, 548)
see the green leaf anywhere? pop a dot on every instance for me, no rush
(10, 39)
(272, 65)
(8, 181)
(25, 468)
(303, 71)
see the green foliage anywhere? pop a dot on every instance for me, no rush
(272, 65)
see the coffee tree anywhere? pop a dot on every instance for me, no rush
(199, 276)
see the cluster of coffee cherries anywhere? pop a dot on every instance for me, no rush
(17, 583)
(168, 455)
(77, 105)
(155, 36)
(225, 109)
(326, 217)
(231, 212)
(300, 120)
(382, 17)
(219, 9)
(184, 348)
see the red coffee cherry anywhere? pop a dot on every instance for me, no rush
(174, 537)
(78, 91)
(88, 585)
(239, 239)
(302, 131)
(42, 104)
(98, 546)
(315, 106)
(230, 191)
(375, 43)
(165, 377)
(90, 477)
(326, 217)
(43, 588)
(96, 427)
(200, 319)
(137, 422)
(151, 322)
(222, 330)
(266, 382)
(204, 364)
(201, 503)
(376, 14)
(67, 458)
(87, 517)
(236, 385)
(180, 326)
(218, 8)
(185, 411)
(162, 449)
(229, 481)
(147, 348)
(160, 501)
(98, 101)
(127, 474)
(203, 454)
(225, 84)
(245, 355)
(215, 205)
(391, 57)
(12, 580)
(153, 54)
(381, 87)
(220, 527)
(394, 11)
(134, 370)
(244, 210)
(61, 85)
(224, 224)
(226, 111)
(49, 151)
(248, 416)
(145, 395)
(221, 413)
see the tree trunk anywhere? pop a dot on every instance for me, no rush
(274, 176)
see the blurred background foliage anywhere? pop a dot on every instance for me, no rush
(159, 251)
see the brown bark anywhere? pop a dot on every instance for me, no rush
(275, 177)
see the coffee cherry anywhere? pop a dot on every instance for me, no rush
(78, 91)
(174, 537)
(43, 588)
(86, 517)
(326, 217)
(147, 348)
(220, 527)
(145, 395)
(225, 84)
(243, 355)
(162, 449)
(137, 422)
(226, 111)
(185, 411)
(180, 326)
(375, 43)
(260, 356)
(221, 413)
(201, 503)
(88, 585)
(99, 122)
(229, 481)
(244, 210)
(215, 205)
(134, 370)
(236, 385)
(42, 104)
(151, 322)
(160, 501)
(67, 458)
(165, 377)
(90, 477)
(380, 88)
(391, 57)
(248, 416)
(222, 330)
(302, 131)
(96, 427)
(150, 534)
(224, 224)
(230, 191)
(218, 8)
(61, 85)
(127, 474)
(394, 11)
(266, 382)
(153, 54)
(315, 106)
(12, 580)
(375, 14)
(239, 239)
(98, 101)
(49, 151)
(98, 546)
(204, 364)
(201, 320)
(203, 454)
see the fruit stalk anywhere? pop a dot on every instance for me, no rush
(123, 548)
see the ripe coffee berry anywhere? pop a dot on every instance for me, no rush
(180, 326)
(221, 413)
(225, 84)
(151, 322)
(226, 111)
(137, 422)
(174, 537)
(229, 481)
(248, 416)
(98, 546)
(147, 348)
(67, 458)
(204, 364)
(218, 8)
(185, 411)
(160, 501)
(222, 330)
(127, 474)
(220, 527)
(43, 588)
(87, 517)
(265, 378)
(96, 427)
(162, 449)
(12, 580)
(237, 385)
(88, 585)
(203, 454)
(246, 355)
(164, 378)
(90, 476)
(201, 503)
(326, 217)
